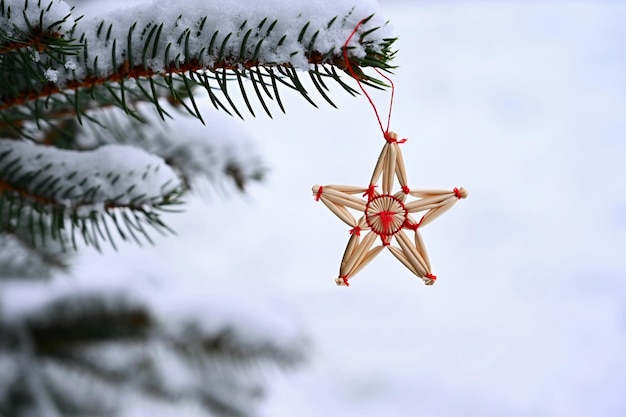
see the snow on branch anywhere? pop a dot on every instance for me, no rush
(59, 193)
(178, 45)
(203, 349)
(19, 16)
(20, 259)
(109, 176)
(163, 34)
(220, 153)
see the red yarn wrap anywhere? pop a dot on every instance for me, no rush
(412, 226)
(394, 140)
(371, 191)
(319, 193)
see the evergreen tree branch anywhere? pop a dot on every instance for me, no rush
(70, 323)
(179, 55)
(116, 185)
(23, 258)
(103, 338)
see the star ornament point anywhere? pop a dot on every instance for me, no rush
(386, 216)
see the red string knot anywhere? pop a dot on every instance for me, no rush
(412, 226)
(460, 192)
(432, 278)
(344, 278)
(319, 193)
(371, 192)
(392, 137)
(405, 189)
(356, 230)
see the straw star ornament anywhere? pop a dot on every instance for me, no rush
(386, 216)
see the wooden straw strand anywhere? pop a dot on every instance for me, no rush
(357, 253)
(411, 254)
(378, 170)
(362, 256)
(364, 261)
(435, 213)
(348, 189)
(339, 211)
(389, 168)
(353, 242)
(414, 252)
(400, 195)
(429, 193)
(430, 203)
(421, 248)
(401, 169)
(341, 198)
(426, 208)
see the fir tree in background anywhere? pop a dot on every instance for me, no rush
(88, 158)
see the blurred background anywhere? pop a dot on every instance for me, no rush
(522, 103)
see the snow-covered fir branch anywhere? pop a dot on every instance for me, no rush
(58, 194)
(204, 43)
(201, 350)
(163, 34)
(111, 176)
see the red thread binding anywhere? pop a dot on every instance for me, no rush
(345, 280)
(386, 218)
(394, 140)
(415, 226)
(431, 277)
(405, 189)
(371, 191)
(412, 226)
(457, 193)
(319, 193)
(356, 230)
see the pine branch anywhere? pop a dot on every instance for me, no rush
(107, 188)
(72, 323)
(22, 258)
(103, 338)
(224, 154)
(229, 345)
(117, 61)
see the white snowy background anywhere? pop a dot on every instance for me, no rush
(522, 103)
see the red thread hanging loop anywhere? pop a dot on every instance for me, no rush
(386, 134)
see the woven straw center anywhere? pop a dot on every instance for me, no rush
(385, 215)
